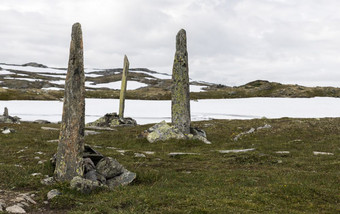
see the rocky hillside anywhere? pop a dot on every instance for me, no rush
(37, 81)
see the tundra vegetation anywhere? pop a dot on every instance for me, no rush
(266, 180)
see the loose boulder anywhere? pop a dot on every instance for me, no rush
(84, 185)
(123, 179)
(162, 132)
(109, 167)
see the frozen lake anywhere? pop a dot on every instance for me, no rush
(151, 111)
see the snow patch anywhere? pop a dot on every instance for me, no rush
(131, 85)
(196, 88)
(33, 69)
(154, 111)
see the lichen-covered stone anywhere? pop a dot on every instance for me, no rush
(123, 87)
(84, 185)
(71, 139)
(109, 167)
(53, 193)
(162, 131)
(180, 94)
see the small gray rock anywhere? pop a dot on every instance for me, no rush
(174, 154)
(42, 121)
(48, 181)
(91, 175)
(124, 179)
(23, 204)
(109, 167)
(140, 155)
(53, 193)
(29, 199)
(6, 130)
(100, 178)
(15, 209)
(198, 132)
(88, 164)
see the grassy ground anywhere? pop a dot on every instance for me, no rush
(260, 181)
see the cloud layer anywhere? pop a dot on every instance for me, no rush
(230, 42)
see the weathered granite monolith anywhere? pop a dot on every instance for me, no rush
(5, 112)
(69, 160)
(123, 87)
(180, 97)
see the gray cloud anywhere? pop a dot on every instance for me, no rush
(230, 41)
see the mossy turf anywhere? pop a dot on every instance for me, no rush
(260, 181)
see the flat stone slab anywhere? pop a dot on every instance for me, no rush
(173, 154)
(49, 128)
(15, 209)
(90, 132)
(282, 152)
(101, 128)
(149, 152)
(235, 150)
(322, 153)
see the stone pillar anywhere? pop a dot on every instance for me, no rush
(180, 96)
(5, 112)
(123, 87)
(71, 140)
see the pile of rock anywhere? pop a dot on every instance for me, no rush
(6, 130)
(162, 131)
(112, 120)
(100, 171)
(5, 118)
(14, 202)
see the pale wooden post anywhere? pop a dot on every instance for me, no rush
(123, 87)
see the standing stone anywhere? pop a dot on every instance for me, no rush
(180, 97)
(71, 140)
(6, 112)
(123, 87)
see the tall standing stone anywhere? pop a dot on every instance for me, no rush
(123, 87)
(180, 96)
(5, 112)
(71, 140)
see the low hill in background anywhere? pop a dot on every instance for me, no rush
(34, 81)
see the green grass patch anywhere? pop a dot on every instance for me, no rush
(260, 181)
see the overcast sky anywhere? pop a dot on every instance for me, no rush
(230, 42)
